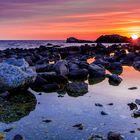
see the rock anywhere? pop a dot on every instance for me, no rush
(114, 79)
(115, 68)
(98, 104)
(136, 113)
(12, 76)
(104, 113)
(132, 88)
(18, 137)
(48, 88)
(112, 39)
(47, 121)
(61, 67)
(111, 104)
(96, 137)
(137, 101)
(52, 77)
(136, 65)
(78, 74)
(8, 129)
(75, 40)
(21, 63)
(44, 67)
(95, 80)
(77, 89)
(114, 136)
(132, 106)
(79, 126)
(96, 71)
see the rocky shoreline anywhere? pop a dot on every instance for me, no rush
(59, 69)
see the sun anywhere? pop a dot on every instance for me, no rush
(134, 36)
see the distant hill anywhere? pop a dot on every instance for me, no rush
(75, 40)
(113, 39)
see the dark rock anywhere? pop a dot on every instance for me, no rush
(114, 79)
(104, 113)
(18, 137)
(47, 121)
(136, 65)
(136, 113)
(112, 39)
(132, 106)
(78, 74)
(132, 88)
(48, 88)
(96, 71)
(8, 129)
(61, 67)
(137, 101)
(76, 89)
(111, 104)
(75, 40)
(79, 126)
(114, 136)
(98, 104)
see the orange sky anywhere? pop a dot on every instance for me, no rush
(59, 19)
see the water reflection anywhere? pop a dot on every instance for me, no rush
(16, 106)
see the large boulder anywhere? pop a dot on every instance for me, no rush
(61, 67)
(96, 70)
(15, 74)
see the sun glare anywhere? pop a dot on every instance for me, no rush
(135, 36)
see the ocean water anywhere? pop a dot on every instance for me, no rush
(4, 44)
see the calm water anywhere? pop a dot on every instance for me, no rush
(68, 111)
(4, 44)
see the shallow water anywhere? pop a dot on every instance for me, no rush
(68, 111)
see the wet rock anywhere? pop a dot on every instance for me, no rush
(104, 113)
(114, 136)
(96, 71)
(114, 79)
(76, 89)
(95, 80)
(115, 68)
(18, 137)
(48, 88)
(14, 76)
(132, 88)
(132, 131)
(61, 67)
(47, 121)
(136, 113)
(78, 74)
(79, 126)
(96, 137)
(44, 67)
(111, 104)
(98, 104)
(132, 106)
(8, 129)
(137, 101)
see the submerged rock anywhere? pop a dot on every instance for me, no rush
(18, 137)
(132, 106)
(76, 89)
(137, 101)
(114, 136)
(15, 75)
(79, 126)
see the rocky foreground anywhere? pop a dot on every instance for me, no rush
(59, 69)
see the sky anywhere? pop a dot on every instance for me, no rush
(59, 19)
